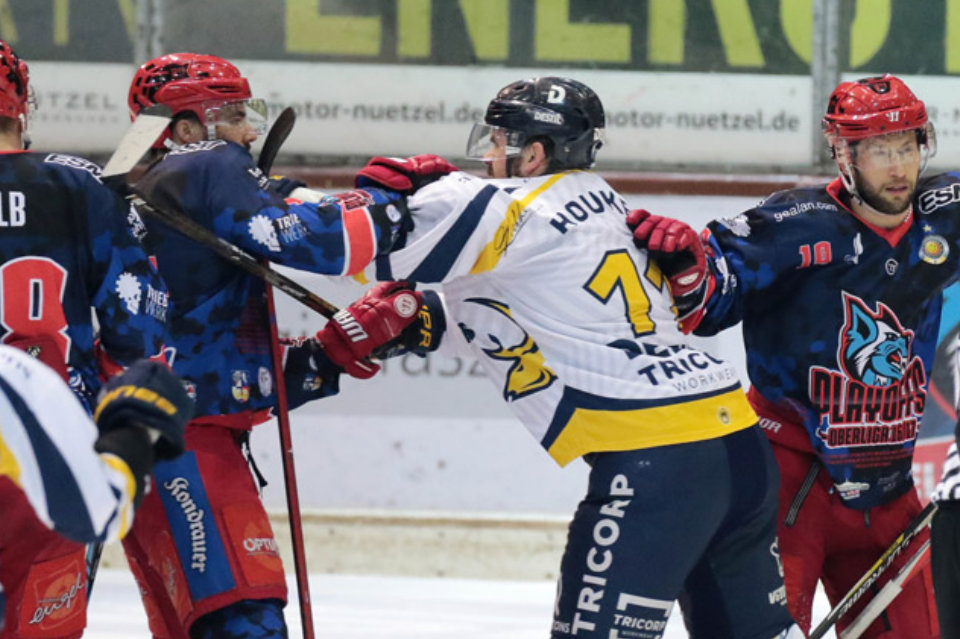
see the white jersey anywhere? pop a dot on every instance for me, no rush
(949, 487)
(46, 448)
(544, 284)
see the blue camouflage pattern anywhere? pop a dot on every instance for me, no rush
(66, 241)
(218, 332)
(840, 321)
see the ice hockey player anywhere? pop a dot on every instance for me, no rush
(190, 548)
(575, 326)
(83, 481)
(838, 288)
(65, 248)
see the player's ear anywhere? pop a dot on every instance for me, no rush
(186, 131)
(534, 159)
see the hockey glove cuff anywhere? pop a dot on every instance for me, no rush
(387, 210)
(405, 176)
(379, 317)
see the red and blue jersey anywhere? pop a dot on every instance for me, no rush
(218, 336)
(840, 324)
(66, 246)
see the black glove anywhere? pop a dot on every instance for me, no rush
(147, 395)
(423, 335)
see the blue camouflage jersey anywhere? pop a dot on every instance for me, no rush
(218, 336)
(840, 323)
(66, 246)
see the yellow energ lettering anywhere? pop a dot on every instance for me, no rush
(488, 23)
(665, 33)
(871, 25)
(61, 22)
(309, 31)
(7, 25)
(413, 28)
(951, 37)
(740, 43)
(556, 39)
(128, 10)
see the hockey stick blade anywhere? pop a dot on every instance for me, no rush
(888, 593)
(276, 136)
(234, 254)
(138, 139)
(867, 580)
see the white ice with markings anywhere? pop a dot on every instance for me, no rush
(360, 607)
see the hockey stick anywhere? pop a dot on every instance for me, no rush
(888, 593)
(271, 145)
(914, 528)
(276, 136)
(138, 139)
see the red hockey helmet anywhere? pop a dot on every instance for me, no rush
(189, 82)
(15, 97)
(872, 106)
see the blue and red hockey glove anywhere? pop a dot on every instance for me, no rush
(403, 175)
(379, 317)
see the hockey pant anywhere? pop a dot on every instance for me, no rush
(834, 544)
(694, 522)
(201, 540)
(44, 575)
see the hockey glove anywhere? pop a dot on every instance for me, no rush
(146, 395)
(387, 209)
(405, 176)
(379, 317)
(678, 251)
(423, 335)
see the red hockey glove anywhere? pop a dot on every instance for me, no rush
(678, 251)
(379, 317)
(423, 335)
(403, 175)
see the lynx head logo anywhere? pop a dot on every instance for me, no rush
(528, 372)
(874, 346)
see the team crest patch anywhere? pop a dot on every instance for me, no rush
(934, 249)
(877, 394)
(264, 381)
(240, 386)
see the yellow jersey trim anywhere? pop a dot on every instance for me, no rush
(8, 463)
(591, 431)
(490, 255)
(125, 505)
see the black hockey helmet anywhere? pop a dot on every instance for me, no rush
(567, 112)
